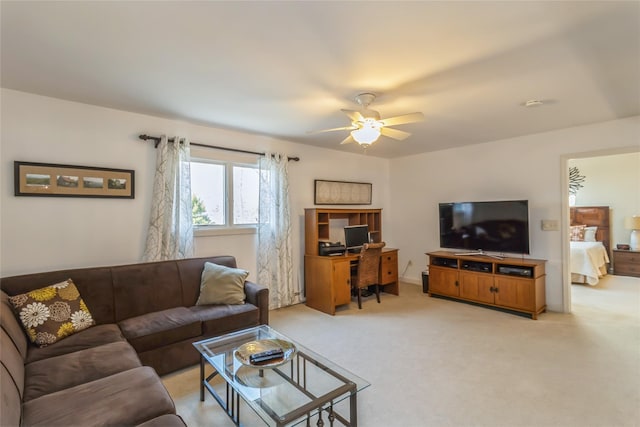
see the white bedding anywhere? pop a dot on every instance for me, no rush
(588, 259)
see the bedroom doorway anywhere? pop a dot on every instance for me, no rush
(611, 179)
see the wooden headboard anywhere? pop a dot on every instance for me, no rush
(593, 215)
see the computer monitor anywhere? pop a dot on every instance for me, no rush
(355, 236)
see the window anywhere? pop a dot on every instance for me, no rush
(246, 188)
(224, 193)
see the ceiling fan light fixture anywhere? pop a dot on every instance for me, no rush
(366, 125)
(367, 134)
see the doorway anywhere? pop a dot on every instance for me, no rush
(611, 178)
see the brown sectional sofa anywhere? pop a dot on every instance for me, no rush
(145, 315)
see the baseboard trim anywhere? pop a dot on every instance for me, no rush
(411, 280)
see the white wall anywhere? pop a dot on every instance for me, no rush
(612, 181)
(47, 233)
(528, 167)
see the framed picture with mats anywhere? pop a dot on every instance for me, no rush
(53, 180)
(342, 193)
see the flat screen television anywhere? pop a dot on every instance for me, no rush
(496, 226)
(355, 236)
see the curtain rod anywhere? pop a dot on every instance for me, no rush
(145, 137)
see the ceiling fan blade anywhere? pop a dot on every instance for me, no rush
(355, 116)
(347, 140)
(394, 133)
(331, 130)
(403, 119)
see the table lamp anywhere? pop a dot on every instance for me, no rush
(633, 223)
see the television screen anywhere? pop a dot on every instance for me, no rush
(499, 226)
(355, 236)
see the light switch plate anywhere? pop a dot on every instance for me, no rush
(550, 225)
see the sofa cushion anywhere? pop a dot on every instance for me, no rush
(52, 313)
(12, 327)
(172, 357)
(12, 361)
(160, 328)
(10, 400)
(219, 319)
(94, 284)
(126, 398)
(144, 288)
(222, 285)
(169, 420)
(69, 370)
(92, 337)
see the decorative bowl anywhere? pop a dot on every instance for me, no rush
(244, 352)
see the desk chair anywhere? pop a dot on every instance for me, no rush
(368, 270)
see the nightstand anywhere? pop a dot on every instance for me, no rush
(626, 263)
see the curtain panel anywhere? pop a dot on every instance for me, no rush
(275, 254)
(170, 234)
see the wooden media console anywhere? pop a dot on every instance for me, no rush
(515, 284)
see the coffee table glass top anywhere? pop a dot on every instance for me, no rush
(286, 392)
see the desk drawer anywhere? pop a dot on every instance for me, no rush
(389, 268)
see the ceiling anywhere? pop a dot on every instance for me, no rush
(286, 68)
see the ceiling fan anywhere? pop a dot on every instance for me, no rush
(366, 126)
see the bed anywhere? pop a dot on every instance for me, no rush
(590, 245)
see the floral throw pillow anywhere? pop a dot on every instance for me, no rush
(52, 313)
(576, 233)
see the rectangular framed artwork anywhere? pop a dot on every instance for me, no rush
(342, 193)
(52, 180)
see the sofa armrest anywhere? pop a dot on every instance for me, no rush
(258, 295)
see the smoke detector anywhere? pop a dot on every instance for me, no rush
(533, 103)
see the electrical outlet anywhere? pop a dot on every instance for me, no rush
(550, 225)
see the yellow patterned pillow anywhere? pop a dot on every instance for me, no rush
(49, 314)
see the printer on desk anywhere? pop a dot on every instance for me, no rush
(331, 249)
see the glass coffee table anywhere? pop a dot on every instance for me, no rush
(299, 387)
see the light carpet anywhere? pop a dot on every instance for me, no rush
(435, 362)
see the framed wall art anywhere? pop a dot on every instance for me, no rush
(52, 180)
(342, 193)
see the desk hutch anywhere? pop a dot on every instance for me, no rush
(328, 278)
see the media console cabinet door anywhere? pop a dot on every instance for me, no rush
(516, 293)
(477, 287)
(443, 281)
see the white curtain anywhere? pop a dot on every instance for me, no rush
(170, 234)
(275, 265)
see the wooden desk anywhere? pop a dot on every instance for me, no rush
(328, 278)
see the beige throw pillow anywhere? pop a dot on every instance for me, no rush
(590, 234)
(221, 285)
